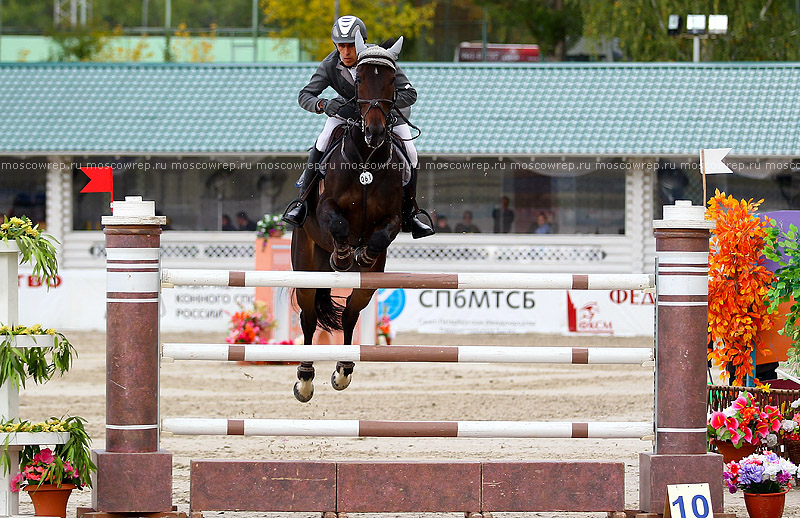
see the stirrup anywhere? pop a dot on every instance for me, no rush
(418, 227)
(301, 207)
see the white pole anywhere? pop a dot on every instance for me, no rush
(9, 396)
(413, 353)
(513, 281)
(353, 428)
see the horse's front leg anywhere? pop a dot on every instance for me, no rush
(304, 387)
(331, 218)
(358, 300)
(379, 241)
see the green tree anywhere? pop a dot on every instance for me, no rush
(551, 24)
(757, 29)
(311, 20)
(37, 15)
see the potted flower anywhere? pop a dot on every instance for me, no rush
(251, 326)
(764, 479)
(737, 286)
(271, 225)
(24, 353)
(739, 429)
(33, 245)
(385, 330)
(50, 475)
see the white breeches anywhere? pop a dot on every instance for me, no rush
(401, 130)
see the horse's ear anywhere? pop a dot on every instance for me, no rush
(397, 47)
(360, 45)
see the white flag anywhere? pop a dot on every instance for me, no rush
(711, 161)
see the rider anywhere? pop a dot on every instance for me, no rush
(338, 71)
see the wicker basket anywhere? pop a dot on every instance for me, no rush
(792, 449)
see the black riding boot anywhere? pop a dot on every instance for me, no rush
(295, 214)
(411, 210)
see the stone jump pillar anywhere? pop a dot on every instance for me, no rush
(680, 456)
(133, 474)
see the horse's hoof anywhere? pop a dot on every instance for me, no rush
(340, 382)
(300, 396)
(338, 268)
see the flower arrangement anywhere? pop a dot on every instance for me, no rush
(33, 244)
(68, 463)
(271, 225)
(744, 422)
(18, 363)
(760, 474)
(738, 282)
(385, 329)
(248, 324)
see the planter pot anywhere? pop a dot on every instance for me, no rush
(732, 453)
(767, 505)
(9, 247)
(49, 499)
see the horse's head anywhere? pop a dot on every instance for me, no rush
(375, 84)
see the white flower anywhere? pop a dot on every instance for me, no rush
(729, 412)
(796, 403)
(788, 426)
(771, 440)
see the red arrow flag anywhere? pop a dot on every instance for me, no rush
(101, 179)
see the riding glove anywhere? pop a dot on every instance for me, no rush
(331, 107)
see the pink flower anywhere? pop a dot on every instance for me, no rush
(740, 403)
(735, 437)
(718, 420)
(46, 456)
(732, 424)
(748, 436)
(19, 477)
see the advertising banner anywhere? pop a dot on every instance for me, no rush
(77, 300)
(614, 312)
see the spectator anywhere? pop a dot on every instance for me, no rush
(466, 226)
(551, 220)
(503, 217)
(542, 225)
(226, 223)
(442, 225)
(245, 223)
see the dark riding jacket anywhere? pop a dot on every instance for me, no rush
(332, 72)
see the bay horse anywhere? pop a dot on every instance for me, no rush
(354, 214)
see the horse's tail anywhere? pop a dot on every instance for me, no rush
(328, 310)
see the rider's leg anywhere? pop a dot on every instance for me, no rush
(295, 214)
(410, 220)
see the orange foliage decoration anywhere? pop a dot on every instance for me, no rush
(738, 283)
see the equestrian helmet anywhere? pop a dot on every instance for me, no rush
(344, 30)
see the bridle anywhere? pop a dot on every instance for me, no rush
(377, 103)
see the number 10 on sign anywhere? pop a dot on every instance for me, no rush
(688, 501)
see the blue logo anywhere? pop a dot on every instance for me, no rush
(391, 302)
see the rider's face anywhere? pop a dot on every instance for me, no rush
(347, 51)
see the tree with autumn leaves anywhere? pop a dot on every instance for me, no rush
(311, 20)
(738, 306)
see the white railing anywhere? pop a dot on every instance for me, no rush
(442, 252)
